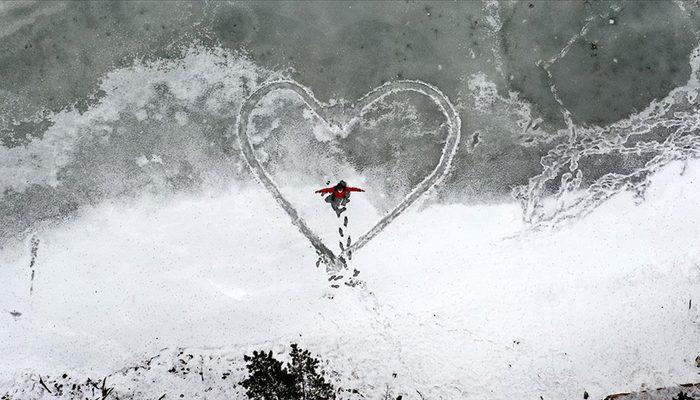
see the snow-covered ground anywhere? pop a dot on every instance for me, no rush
(456, 303)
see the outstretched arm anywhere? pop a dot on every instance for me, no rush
(354, 189)
(325, 190)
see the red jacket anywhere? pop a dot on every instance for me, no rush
(339, 194)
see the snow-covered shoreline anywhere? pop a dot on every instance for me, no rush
(450, 306)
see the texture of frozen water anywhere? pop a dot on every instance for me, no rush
(122, 181)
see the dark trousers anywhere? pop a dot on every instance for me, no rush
(337, 203)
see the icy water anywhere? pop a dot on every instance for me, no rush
(526, 77)
(541, 144)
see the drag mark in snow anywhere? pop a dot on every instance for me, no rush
(545, 65)
(333, 262)
(667, 130)
(33, 252)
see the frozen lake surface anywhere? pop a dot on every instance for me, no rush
(553, 251)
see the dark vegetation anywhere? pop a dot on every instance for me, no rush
(301, 378)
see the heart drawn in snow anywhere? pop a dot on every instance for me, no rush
(334, 262)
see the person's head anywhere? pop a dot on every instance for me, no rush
(341, 185)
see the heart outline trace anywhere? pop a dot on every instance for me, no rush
(332, 261)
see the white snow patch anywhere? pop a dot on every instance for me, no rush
(451, 307)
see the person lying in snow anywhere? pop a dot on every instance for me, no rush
(339, 196)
